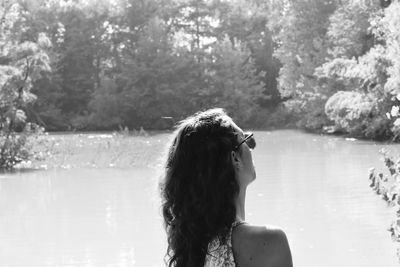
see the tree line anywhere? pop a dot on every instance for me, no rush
(133, 63)
(330, 66)
(340, 66)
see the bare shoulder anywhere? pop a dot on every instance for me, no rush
(265, 246)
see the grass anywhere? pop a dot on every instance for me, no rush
(97, 150)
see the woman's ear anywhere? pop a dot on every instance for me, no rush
(235, 159)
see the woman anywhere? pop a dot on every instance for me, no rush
(208, 169)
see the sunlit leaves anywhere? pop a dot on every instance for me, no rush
(348, 32)
(350, 109)
(388, 187)
(22, 62)
(363, 59)
(303, 43)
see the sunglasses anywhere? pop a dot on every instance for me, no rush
(249, 139)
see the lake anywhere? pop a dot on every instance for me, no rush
(93, 201)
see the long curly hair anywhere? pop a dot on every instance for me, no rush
(199, 188)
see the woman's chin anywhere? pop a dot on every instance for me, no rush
(254, 173)
(253, 177)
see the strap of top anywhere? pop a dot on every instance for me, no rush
(237, 223)
(222, 254)
(234, 224)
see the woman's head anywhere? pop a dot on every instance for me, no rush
(204, 173)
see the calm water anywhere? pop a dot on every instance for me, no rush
(314, 187)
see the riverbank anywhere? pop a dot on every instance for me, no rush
(119, 149)
(95, 150)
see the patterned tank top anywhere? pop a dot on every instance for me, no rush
(221, 254)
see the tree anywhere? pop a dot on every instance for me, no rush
(22, 62)
(348, 33)
(301, 28)
(81, 33)
(247, 22)
(233, 81)
(161, 77)
(365, 70)
(194, 22)
(303, 45)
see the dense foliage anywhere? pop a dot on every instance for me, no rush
(130, 63)
(340, 65)
(22, 62)
(388, 187)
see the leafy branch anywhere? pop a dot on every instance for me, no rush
(388, 187)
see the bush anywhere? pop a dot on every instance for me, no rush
(18, 147)
(23, 63)
(388, 187)
(354, 112)
(307, 110)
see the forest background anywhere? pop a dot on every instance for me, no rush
(325, 66)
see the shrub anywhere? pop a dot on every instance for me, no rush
(18, 147)
(388, 187)
(22, 64)
(307, 110)
(353, 112)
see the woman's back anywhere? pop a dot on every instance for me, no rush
(248, 246)
(264, 246)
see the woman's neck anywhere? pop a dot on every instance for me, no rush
(240, 205)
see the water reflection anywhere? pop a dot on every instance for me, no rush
(315, 187)
(77, 218)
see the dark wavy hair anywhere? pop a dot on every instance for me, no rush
(198, 189)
